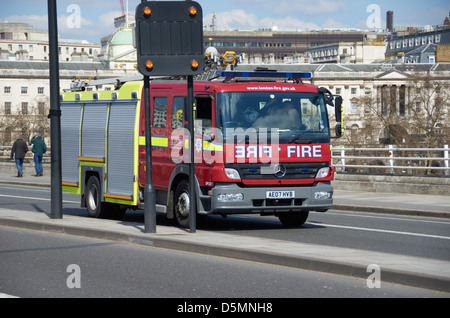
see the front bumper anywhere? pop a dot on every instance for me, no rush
(253, 200)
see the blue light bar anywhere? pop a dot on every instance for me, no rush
(263, 74)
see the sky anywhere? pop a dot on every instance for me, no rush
(93, 19)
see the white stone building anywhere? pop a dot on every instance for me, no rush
(390, 89)
(348, 52)
(20, 41)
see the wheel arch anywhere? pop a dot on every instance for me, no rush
(86, 173)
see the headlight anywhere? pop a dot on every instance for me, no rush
(232, 174)
(323, 173)
(322, 195)
(230, 197)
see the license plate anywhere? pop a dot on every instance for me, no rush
(280, 194)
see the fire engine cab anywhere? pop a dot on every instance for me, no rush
(262, 146)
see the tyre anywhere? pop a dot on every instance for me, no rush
(182, 204)
(95, 207)
(293, 218)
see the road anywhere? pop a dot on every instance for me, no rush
(47, 265)
(413, 236)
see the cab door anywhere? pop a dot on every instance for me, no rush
(161, 103)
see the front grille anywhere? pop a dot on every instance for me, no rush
(278, 202)
(294, 170)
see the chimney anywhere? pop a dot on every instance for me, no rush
(390, 21)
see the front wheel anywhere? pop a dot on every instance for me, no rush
(293, 218)
(182, 206)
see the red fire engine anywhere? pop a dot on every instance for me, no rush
(262, 146)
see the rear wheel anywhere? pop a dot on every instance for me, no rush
(95, 207)
(293, 218)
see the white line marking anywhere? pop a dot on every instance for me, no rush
(33, 198)
(383, 231)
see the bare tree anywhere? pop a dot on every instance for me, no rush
(429, 105)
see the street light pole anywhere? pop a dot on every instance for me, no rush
(55, 113)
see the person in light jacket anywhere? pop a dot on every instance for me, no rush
(18, 151)
(39, 148)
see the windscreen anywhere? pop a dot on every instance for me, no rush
(294, 117)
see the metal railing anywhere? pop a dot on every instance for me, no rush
(392, 160)
(426, 161)
(5, 154)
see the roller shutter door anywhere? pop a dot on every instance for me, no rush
(93, 130)
(70, 130)
(120, 160)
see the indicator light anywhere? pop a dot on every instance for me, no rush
(147, 11)
(149, 65)
(192, 11)
(194, 64)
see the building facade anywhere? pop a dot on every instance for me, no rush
(20, 41)
(276, 47)
(399, 93)
(399, 45)
(25, 91)
(348, 52)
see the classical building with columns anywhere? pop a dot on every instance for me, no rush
(382, 92)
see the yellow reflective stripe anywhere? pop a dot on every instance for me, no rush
(211, 146)
(163, 142)
(157, 141)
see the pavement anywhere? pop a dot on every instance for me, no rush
(405, 270)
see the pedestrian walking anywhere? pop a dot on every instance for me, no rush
(18, 151)
(39, 148)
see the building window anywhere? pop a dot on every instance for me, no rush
(367, 108)
(338, 91)
(24, 90)
(7, 108)
(40, 90)
(41, 108)
(353, 90)
(25, 108)
(353, 108)
(7, 89)
(418, 107)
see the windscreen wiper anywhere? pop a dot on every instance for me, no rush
(297, 136)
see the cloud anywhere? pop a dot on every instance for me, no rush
(291, 7)
(241, 20)
(71, 28)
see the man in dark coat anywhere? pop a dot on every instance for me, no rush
(18, 150)
(39, 148)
